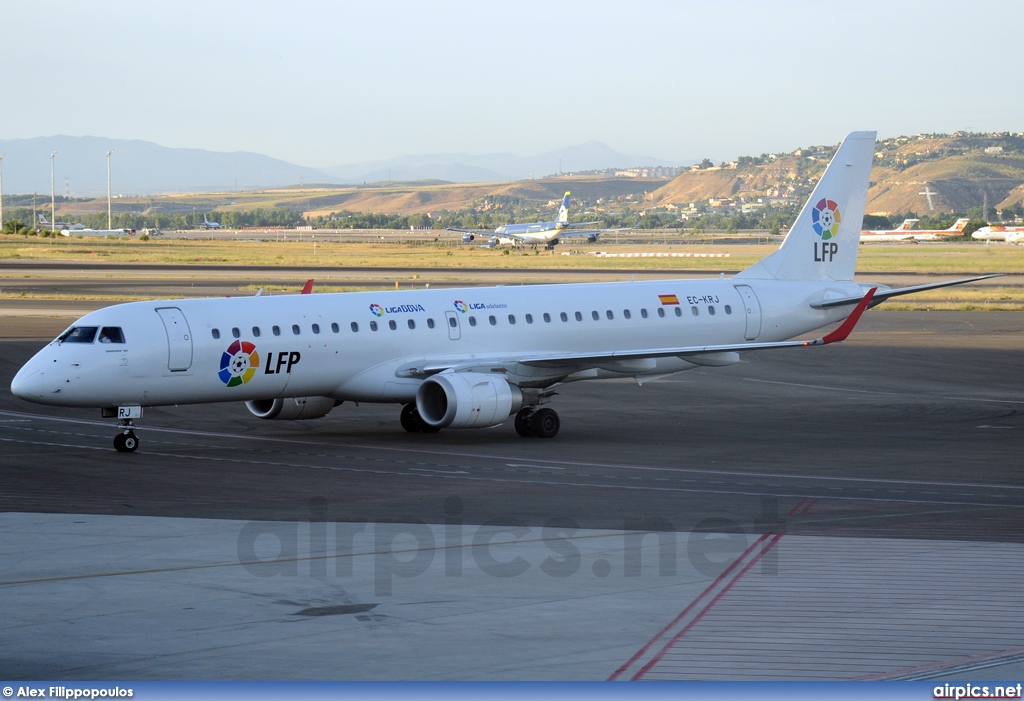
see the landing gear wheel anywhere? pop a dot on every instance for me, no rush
(411, 420)
(414, 423)
(126, 442)
(545, 423)
(524, 423)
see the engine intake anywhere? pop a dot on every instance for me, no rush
(467, 400)
(292, 408)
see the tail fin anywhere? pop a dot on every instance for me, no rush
(822, 245)
(958, 225)
(907, 224)
(563, 212)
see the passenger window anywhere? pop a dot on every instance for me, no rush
(643, 312)
(334, 326)
(494, 322)
(235, 333)
(452, 322)
(215, 333)
(595, 316)
(711, 310)
(679, 311)
(373, 326)
(256, 331)
(295, 329)
(472, 321)
(412, 324)
(276, 330)
(579, 316)
(728, 309)
(430, 323)
(609, 314)
(111, 334)
(564, 316)
(694, 310)
(316, 328)
(529, 318)
(625, 313)
(547, 318)
(354, 326)
(661, 311)
(512, 318)
(392, 325)
(79, 334)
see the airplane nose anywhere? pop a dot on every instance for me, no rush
(27, 384)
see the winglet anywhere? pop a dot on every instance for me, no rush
(308, 287)
(843, 331)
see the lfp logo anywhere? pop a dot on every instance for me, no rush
(461, 306)
(376, 310)
(825, 219)
(238, 363)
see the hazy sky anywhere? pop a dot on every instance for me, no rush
(326, 83)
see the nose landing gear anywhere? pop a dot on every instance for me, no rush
(126, 441)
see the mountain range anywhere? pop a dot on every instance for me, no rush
(145, 168)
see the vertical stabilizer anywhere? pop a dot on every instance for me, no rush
(563, 213)
(822, 245)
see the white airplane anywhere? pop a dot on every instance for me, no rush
(1009, 234)
(907, 232)
(62, 225)
(98, 232)
(471, 357)
(207, 224)
(542, 232)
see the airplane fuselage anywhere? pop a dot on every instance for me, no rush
(378, 346)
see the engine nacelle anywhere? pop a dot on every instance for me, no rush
(468, 238)
(592, 238)
(291, 408)
(467, 400)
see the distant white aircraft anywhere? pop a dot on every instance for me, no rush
(1009, 234)
(98, 232)
(543, 232)
(907, 232)
(207, 224)
(471, 357)
(63, 225)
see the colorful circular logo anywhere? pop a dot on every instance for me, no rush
(461, 306)
(238, 363)
(376, 310)
(825, 219)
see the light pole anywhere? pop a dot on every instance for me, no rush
(53, 199)
(2, 191)
(109, 224)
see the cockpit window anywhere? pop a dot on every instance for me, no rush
(78, 334)
(111, 334)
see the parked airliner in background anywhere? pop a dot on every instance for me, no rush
(63, 225)
(1009, 234)
(907, 232)
(471, 357)
(207, 224)
(542, 232)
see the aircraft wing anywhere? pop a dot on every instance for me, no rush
(581, 223)
(886, 294)
(572, 362)
(469, 231)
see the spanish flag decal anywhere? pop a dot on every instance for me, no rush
(668, 299)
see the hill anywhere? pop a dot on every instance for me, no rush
(959, 170)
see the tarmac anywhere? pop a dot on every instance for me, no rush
(849, 512)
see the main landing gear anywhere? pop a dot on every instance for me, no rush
(539, 423)
(413, 422)
(126, 441)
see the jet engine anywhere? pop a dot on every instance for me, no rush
(592, 238)
(466, 400)
(468, 238)
(292, 408)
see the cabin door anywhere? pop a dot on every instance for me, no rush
(179, 339)
(753, 311)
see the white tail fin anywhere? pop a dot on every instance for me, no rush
(907, 224)
(959, 225)
(563, 213)
(823, 242)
